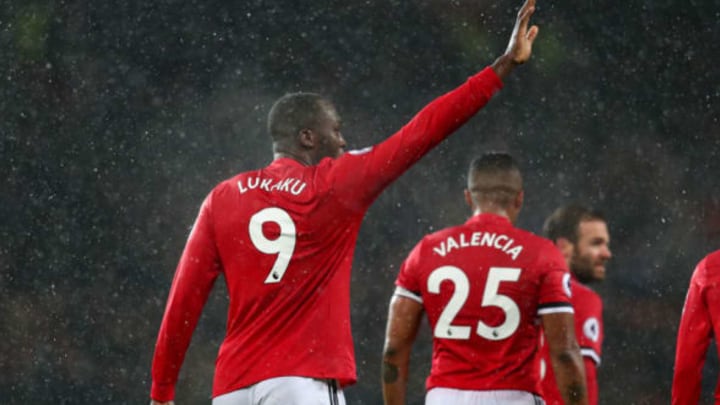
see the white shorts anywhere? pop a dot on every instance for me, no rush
(444, 396)
(286, 391)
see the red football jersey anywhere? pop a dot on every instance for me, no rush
(283, 237)
(589, 334)
(700, 323)
(483, 285)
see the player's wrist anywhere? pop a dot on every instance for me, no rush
(162, 393)
(504, 64)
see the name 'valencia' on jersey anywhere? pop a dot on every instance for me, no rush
(479, 239)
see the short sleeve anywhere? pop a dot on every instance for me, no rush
(408, 278)
(589, 320)
(554, 278)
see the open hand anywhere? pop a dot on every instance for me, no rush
(520, 46)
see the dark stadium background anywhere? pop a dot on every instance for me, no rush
(118, 118)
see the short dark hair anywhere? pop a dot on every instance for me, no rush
(294, 112)
(495, 176)
(494, 162)
(565, 221)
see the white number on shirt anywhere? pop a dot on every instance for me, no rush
(283, 246)
(508, 306)
(444, 327)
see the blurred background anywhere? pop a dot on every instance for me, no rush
(119, 117)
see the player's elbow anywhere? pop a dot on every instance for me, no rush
(393, 351)
(567, 357)
(566, 347)
(568, 361)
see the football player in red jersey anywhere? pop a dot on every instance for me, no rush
(483, 285)
(283, 237)
(699, 325)
(582, 236)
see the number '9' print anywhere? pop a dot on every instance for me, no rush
(283, 246)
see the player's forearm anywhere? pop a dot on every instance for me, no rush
(687, 372)
(503, 66)
(686, 385)
(394, 376)
(570, 376)
(182, 313)
(694, 337)
(591, 379)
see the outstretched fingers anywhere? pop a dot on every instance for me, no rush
(529, 4)
(521, 43)
(532, 33)
(524, 14)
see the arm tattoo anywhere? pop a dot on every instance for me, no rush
(390, 373)
(575, 392)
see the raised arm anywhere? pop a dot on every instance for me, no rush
(565, 357)
(519, 48)
(403, 323)
(366, 173)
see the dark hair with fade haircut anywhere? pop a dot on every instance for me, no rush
(497, 177)
(294, 112)
(565, 221)
(494, 162)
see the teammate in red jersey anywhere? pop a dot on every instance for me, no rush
(582, 236)
(699, 324)
(284, 236)
(483, 285)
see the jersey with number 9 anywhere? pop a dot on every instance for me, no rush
(483, 285)
(283, 237)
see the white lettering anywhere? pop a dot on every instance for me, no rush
(487, 239)
(497, 244)
(290, 185)
(491, 240)
(285, 185)
(515, 252)
(265, 184)
(451, 244)
(295, 190)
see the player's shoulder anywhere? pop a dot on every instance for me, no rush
(584, 292)
(544, 249)
(352, 156)
(534, 239)
(584, 298)
(537, 249)
(712, 260)
(708, 269)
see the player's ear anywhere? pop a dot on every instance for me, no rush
(565, 246)
(468, 200)
(306, 138)
(519, 198)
